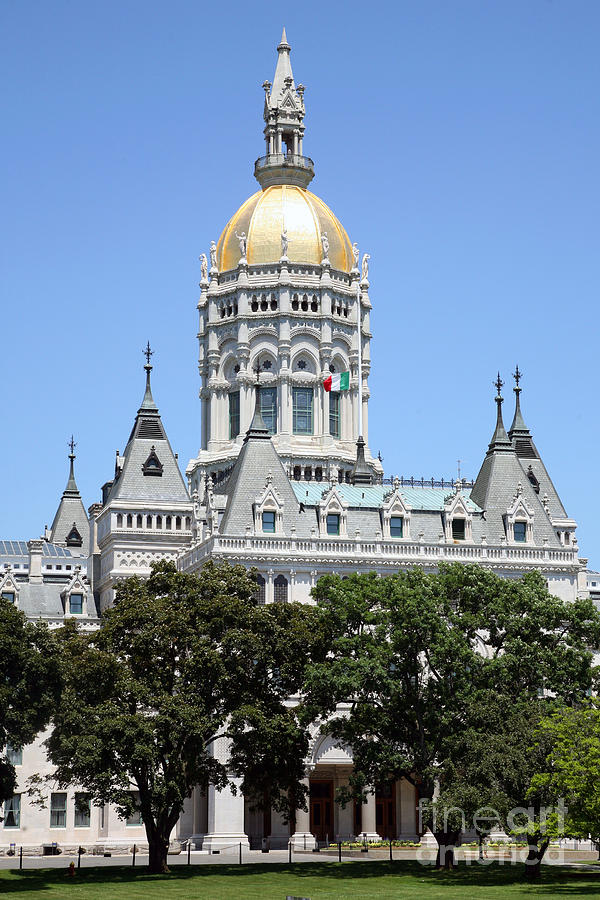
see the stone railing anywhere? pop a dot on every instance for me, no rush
(376, 551)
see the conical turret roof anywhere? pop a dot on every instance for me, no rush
(148, 469)
(70, 525)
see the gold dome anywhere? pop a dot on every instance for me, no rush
(263, 217)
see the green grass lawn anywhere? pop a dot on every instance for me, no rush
(314, 880)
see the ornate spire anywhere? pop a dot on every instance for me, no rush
(519, 433)
(148, 401)
(257, 429)
(71, 487)
(500, 439)
(361, 473)
(284, 128)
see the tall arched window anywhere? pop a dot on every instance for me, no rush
(119, 520)
(130, 521)
(261, 593)
(280, 589)
(139, 522)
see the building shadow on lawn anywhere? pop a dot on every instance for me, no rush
(555, 881)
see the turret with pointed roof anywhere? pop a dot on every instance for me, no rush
(148, 469)
(70, 527)
(529, 457)
(500, 478)
(147, 511)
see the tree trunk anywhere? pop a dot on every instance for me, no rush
(447, 842)
(533, 863)
(158, 847)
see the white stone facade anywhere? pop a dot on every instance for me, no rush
(282, 303)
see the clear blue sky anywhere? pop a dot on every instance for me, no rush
(457, 140)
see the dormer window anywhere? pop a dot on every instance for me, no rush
(458, 529)
(396, 526)
(268, 521)
(8, 595)
(74, 539)
(333, 523)
(520, 532)
(153, 465)
(76, 604)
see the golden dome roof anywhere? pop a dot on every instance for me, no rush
(264, 216)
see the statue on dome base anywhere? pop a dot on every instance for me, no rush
(284, 244)
(243, 241)
(203, 267)
(213, 256)
(365, 267)
(325, 245)
(355, 254)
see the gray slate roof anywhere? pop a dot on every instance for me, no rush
(146, 435)
(256, 460)
(71, 511)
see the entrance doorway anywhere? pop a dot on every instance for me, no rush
(385, 809)
(321, 810)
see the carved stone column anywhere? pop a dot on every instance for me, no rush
(369, 819)
(302, 838)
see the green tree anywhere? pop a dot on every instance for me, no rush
(29, 685)
(422, 655)
(180, 660)
(569, 741)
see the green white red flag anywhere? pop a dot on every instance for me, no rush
(338, 382)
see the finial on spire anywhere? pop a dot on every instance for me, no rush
(283, 43)
(71, 483)
(148, 401)
(498, 384)
(517, 375)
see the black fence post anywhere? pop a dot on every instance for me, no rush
(391, 858)
(339, 851)
(289, 851)
(79, 857)
(189, 851)
(21, 857)
(240, 853)
(133, 860)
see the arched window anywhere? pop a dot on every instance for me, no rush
(119, 520)
(178, 523)
(187, 523)
(261, 591)
(130, 521)
(159, 521)
(148, 521)
(139, 522)
(280, 589)
(168, 523)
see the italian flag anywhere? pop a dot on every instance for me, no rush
(340, 382)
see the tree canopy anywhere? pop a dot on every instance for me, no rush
(444, 672)
(180, 661)
(569, 741)
(29, 685)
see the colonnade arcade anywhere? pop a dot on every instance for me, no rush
(215, 820)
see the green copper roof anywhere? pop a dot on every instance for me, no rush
(371, 497)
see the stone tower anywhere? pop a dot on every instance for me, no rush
(280, 302)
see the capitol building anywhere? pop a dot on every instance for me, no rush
(285, 482)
